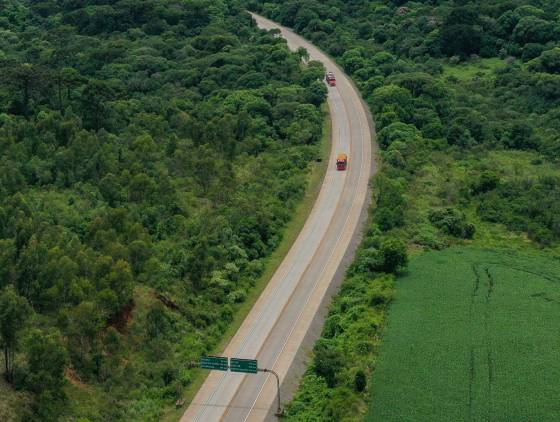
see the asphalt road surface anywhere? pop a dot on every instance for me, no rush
(276, 326)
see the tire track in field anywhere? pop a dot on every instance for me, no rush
(471, 382)
(482, 352)
(476, 282)
(474, 293)
(490, 284)
(480, 313)
(511, 266)
(488, 342)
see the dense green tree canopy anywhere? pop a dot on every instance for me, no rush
(150, 152)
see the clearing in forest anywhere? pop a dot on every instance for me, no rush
(473, 335)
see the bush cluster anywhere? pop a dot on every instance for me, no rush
(452, 222)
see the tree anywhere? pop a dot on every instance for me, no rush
(393, 95)
(461, 40)
(7, 256)
(452, 222)
(14, 312)
(47, 360)
(83, 328)
(399, 131)
(121, 281)
(460, 34)
(390, 207)
(394, 255)
(316, 93)
(303, 53)
(532, 29)
(94, 100)
(157, 321)
(532, 51)
(66, 78)
(548, 61)
(352, 60)
(521, 136)
(28, 79)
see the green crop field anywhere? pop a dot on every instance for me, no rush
(473, 335)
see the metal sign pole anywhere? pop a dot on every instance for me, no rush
(247, 366)
(279, 411)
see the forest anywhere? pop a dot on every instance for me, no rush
(151, 153)
(466, 98)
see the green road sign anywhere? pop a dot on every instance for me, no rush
(217, 363)
(243, 365)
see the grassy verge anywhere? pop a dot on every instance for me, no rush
(471, 336)
(290, 234)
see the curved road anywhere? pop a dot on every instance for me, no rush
(276, 326)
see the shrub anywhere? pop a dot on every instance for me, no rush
(452, 222)
(394, 255)
(333, 326)
(428, 236)
(360, 381)
(487, 181)
(390, 204)
(380, 295)
(327, 363)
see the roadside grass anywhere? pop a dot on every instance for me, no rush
(472, 335)
(290, 234)
(473, 68)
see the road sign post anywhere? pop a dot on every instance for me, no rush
(217, 363)
(248, 366)
(279, 408)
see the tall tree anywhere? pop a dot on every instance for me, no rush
(27, 79)
(14, 311)
(47, 360)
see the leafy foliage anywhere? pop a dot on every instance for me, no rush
(452, 222)
(450, 84)
(150, 155)
(14, 310)
(531, 206)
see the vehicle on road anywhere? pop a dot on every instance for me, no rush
(341, 162)
(331, 80)
(276, 328)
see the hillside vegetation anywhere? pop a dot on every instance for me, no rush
(466, 99)
(151, 153)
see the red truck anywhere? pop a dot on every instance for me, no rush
(331, 80)
(341, 162)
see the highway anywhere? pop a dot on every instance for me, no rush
(276, 327)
